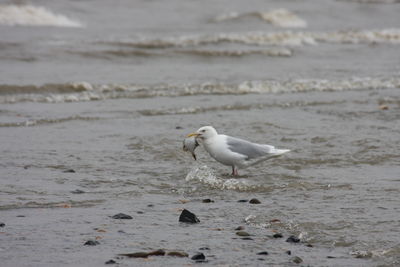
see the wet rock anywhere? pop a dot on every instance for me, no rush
(2, 224)
(261, 259)
(288, 252)
(277, 235)
(78, 191)
(293, 239)
(207, 200)
(309, 245)
(159, 252)
(239, 228)
(21, 216)
(262, 253)
(330, 257)
(297, 260)
(254, 201)
(91, 243)
(150, 205)
(110, 262)
(199, 257)
(188, 217)
(178, 127)
(247, 238)
(140, 212)
(204, 248)
(177, 254)
(242, 233)
(122, 216)
(69, 171)
(242, 200)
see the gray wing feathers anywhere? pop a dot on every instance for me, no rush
(250, 150)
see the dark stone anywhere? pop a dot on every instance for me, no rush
(158, 252)
(254, 201)
(247, 238)
(293, 239)
(262, 253)
(110, 262)
(2, 224)
(242, 233)
(69, 171)
(242, 200)
(177, 254)
(277, 235)
(21, 216)
(140, 212)
(178, 127)
(261, 259)
(199, 257)
(288, 252)
(150, 205)
(309, 245)
(122, 216)
(204, 248)
(207, 200)
(297, 260)
(188, 217)
(91, 243)
(330, 257)
(78, 191)
(239, 228)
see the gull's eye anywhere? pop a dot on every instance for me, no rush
(203, 131)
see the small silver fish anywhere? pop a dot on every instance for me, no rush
(190, 144)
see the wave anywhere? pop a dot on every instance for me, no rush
(83, 91)
(281, 38)
(33, 16)
(45, 121)
(278, 17)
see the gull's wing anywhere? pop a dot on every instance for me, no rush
(248, 149)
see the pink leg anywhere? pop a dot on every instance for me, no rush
(234, 171)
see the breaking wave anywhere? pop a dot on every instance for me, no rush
(33, 16)
(278, 17)
(83, 91)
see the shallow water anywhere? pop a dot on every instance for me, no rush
(113, 98)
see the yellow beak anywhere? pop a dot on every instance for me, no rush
(193, 134)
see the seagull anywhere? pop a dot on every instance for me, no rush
(232, 151)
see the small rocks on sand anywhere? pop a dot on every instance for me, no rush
(293, 239)
(188, 217)
(262, 253)
(254, 201)
(122, 216)
(91, 243)
(199, 257)
(297, 260)
(242, 233)
(277, 235)
(70, 171)
(110, 262)
(208, 200)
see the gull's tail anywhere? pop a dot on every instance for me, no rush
(271, 154)
(278, 152)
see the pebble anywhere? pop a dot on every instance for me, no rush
(159, 252)
(122, 216)
(309, 245)
(242, 200)
(297, 260)
(178, 127)
(247, 238)
(383, 107)
(293, 239)
(288, 252)
(110, 262)
(199, 257)
(207, 200)
(277, 235)
(242, 233)
(91, 243)
(2, 224)
(188, 217)
(204, 248)
(239, 228)
(262, 253)
(177, 254)
(78, 191)
(70, 171)
(254, 201)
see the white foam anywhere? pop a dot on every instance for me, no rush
(279, 17)
(33, 16)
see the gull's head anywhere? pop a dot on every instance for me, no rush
(204, 132)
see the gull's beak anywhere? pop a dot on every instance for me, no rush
(193, 134)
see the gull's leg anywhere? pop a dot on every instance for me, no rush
(234, 171)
